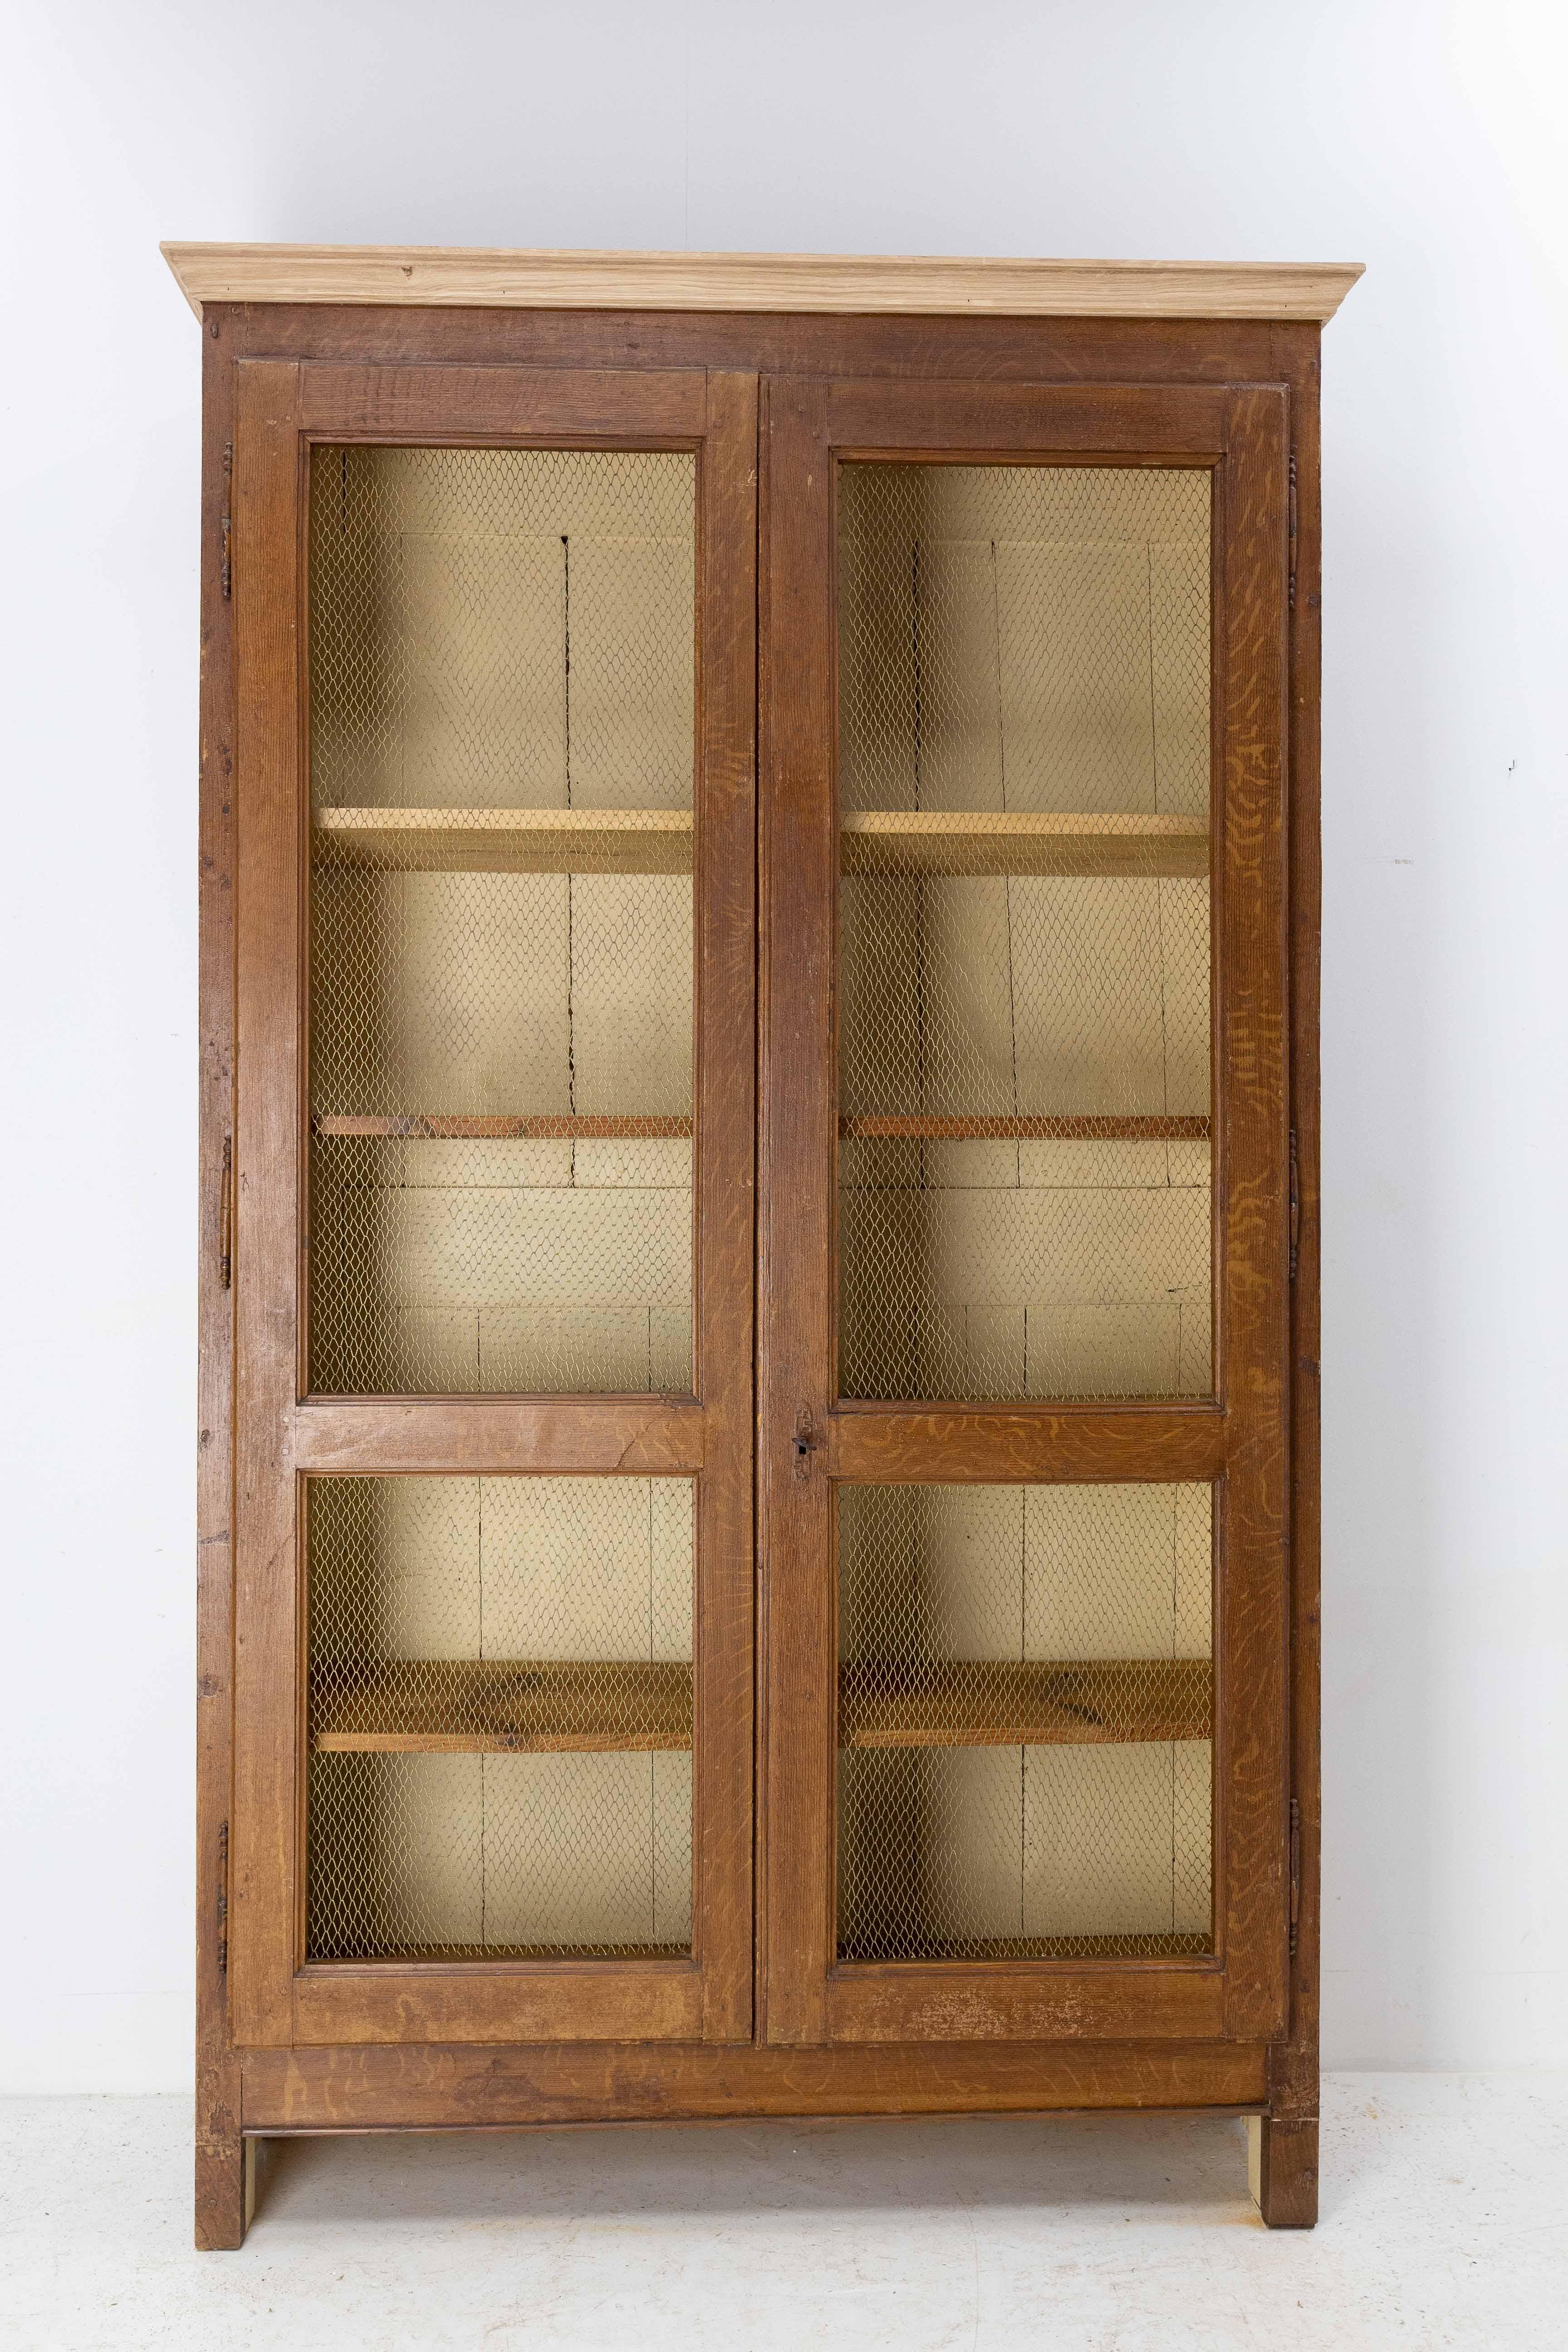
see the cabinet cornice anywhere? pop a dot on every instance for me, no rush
(928, 285)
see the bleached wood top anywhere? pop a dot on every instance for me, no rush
(928, 285)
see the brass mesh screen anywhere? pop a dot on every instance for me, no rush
(1025, 1713)
(1024, 931)
(501, 754)
(500, 1711)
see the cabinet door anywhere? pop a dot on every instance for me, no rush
(1024, 1213)
(495, 632)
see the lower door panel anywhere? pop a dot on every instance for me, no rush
(500, 1699)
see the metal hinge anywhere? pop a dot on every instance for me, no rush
(1295, 1870)
(222, 1899)
(807, 1440)
(225, 1215)
(1295, 1207)
(226, 527)
(1292, 589)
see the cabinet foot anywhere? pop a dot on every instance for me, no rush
(226, 2192)
(1282, 2171)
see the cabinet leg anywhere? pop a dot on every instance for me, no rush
(1282, 2171)
(226, 2192)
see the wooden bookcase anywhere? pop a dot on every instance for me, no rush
(759, 1237)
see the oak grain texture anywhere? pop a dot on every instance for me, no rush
(1018, 1703)
(219, 2216)
(1079, 351)
(798, 863)
(1021, 2000)
(1250, 1748)
(418, 2084)
(502, 1707)
(507, 841)
(892, 1444)
(1293, 2063)
(285, 1438)
(1241, 1446)
(558, 2002)
(631, 1126)
(813, 425)
(644, 409)
(1151, 424)
(907, 283)
(998, 841)
(368, 2089)
(1065, 1127)
(642, 1437)
(506, 1705)
(723, 1760)
(1285, 2166)
(267, 604)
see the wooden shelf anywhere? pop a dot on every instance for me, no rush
(490, 1127)
(659, 841)
(510, 1706)
(503, 1706)
(1003, 1702)
(1028, 1127)
(955, 1127)
(993, 841)
(507, 840)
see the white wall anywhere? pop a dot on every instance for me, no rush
(1419, 140)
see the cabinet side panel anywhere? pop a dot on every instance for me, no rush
(1254, 1554)
(219, 2214)
(1293, 2068)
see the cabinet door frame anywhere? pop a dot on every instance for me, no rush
(810, 1439)
(283, 1434)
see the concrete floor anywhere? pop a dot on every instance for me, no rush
(1443, 2226)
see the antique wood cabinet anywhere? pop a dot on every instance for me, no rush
(759, 1198)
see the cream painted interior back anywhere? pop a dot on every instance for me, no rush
(1030, 639)
(502, 629)
(570, 1852)
(943, 1848)
(495, 629)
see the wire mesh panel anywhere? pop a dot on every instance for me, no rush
(500, 1717)
(1024, 1022)
(1025, 1722)
(502, 700)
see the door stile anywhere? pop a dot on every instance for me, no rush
(726, 1206)
(285, 1436)
(1234, 1441)
(799, 884)
(269, 962)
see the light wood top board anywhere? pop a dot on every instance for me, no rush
(925, 285)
